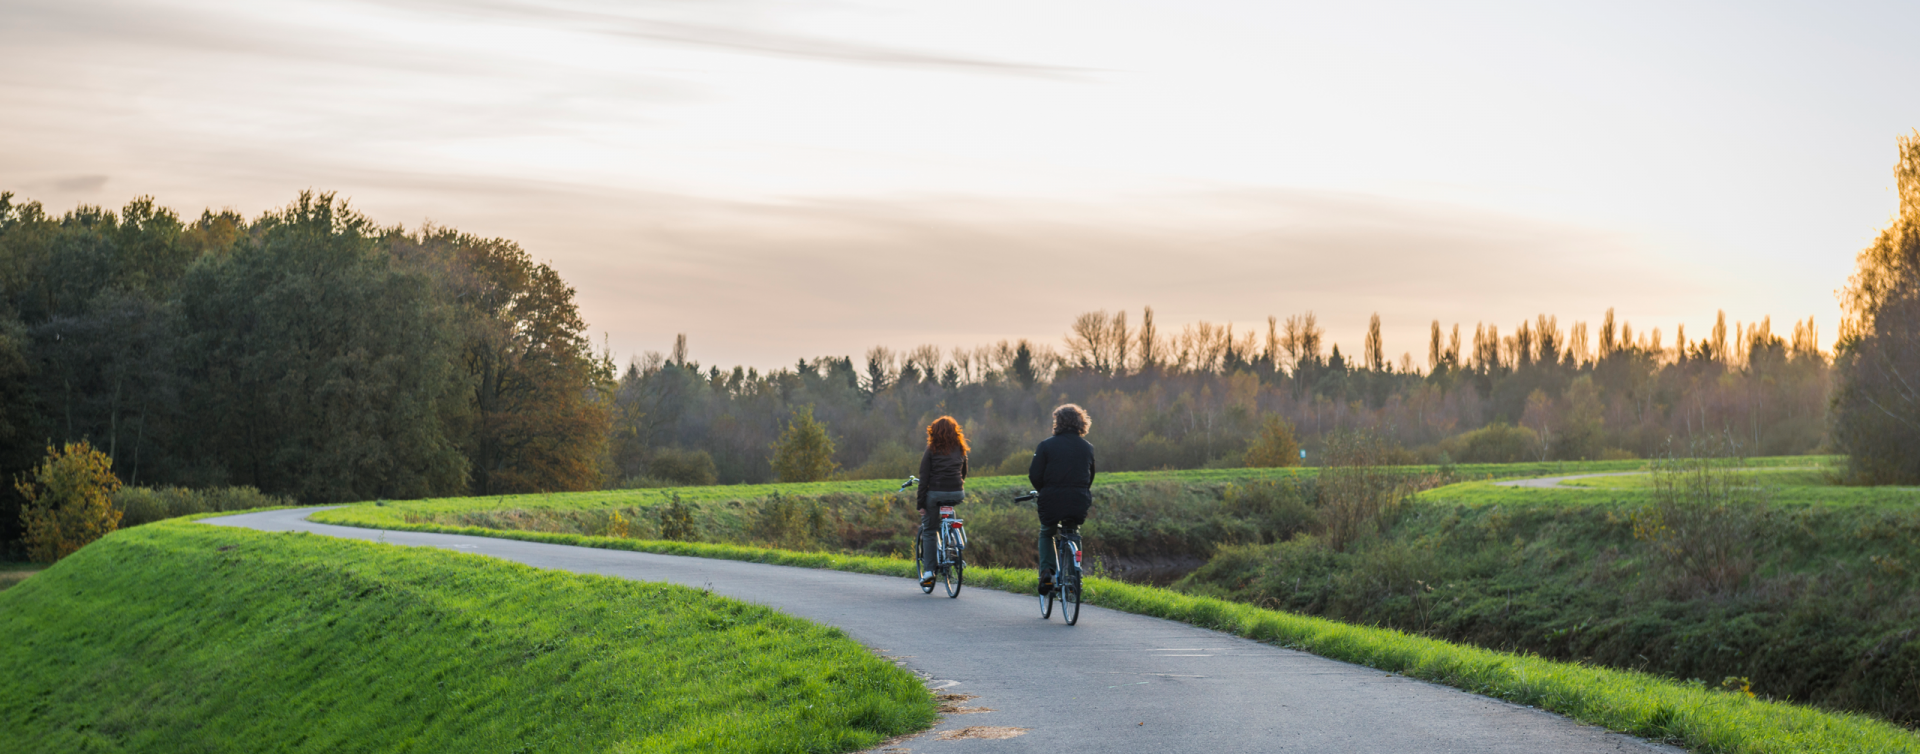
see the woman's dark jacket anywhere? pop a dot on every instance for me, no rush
(1062, 470)
(942, 472)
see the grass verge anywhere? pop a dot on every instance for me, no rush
(1786, 488)
(180, 637)
(396, 512)
(1641, 704)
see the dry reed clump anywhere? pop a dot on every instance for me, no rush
(1360, 493)
(790, 523)
(1699, 531)
(676, 521)
(1279, 508)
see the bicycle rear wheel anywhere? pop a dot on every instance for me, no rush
(954, 570)
(954, 577)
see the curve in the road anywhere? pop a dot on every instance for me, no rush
(1554, 481)
(1116, 682)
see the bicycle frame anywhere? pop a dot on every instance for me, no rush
(950, 531)
(1062, 548)
(1067, 573)
(950, 547)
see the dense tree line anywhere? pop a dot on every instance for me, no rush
(1203, 395)
(306, 352)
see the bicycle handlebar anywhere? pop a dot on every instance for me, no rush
(911, 481)
(1031, 494)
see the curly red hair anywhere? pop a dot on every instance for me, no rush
(944, 435)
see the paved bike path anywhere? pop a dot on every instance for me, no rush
(1116, 682)
(1551, 482)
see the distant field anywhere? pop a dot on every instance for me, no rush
(177, 636)
(1810, 481)
(381, 513)
(1153, 527)
(1811, 476)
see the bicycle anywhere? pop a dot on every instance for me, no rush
(1066, 581)
(950, 566)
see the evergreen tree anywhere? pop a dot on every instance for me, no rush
(879, 371)
(1024, 371)
(804, 453)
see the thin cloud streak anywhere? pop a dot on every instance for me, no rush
(734, 34)
(791, 46)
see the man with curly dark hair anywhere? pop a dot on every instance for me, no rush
(1062, 470)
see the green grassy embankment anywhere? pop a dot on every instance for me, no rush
(177, 636)
(1691, 715)
(1789, 587)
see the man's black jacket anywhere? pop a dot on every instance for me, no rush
(1062, 470)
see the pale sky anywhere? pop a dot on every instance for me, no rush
(785, 180)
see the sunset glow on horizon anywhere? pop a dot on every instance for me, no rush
(790, 180)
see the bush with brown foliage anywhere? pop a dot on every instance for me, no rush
(69, 501)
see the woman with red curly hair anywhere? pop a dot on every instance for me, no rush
(943, 481)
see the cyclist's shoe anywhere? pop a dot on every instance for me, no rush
(926, 578)
(1046, 583)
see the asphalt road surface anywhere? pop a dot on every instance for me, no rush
(1115, 683)
(1550, 482)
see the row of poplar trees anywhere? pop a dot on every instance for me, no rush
(306, 352)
